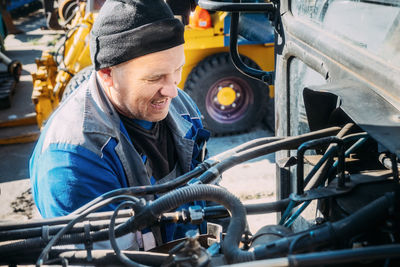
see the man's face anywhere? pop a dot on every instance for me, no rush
(142, 88)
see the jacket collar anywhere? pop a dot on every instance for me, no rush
(99, 114)
(176, 122)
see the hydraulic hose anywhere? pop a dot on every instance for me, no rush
(52, 230)
(365, 254)
(43, 256)
(215, 212)
(330, 233)
(38, 243)
(287, 143)
(360, 138)
(34, 229)
(315, 143)
(103, 215)
(61, 236)
(345, 255)
(99, 257)
(108, 258)
(150, 189)
(314, 177)
(245, 146)
(162, 188)
(320, 179)
(317, 173)
(373, 213)
(120, 255)
(201, 168)
(187, 194)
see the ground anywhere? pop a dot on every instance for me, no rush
(252, 181)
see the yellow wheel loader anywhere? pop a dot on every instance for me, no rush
(229, 100)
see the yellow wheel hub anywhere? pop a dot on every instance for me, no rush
(226, 96)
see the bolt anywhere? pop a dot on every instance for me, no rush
(222, 107)
(192, 236)
(237, 94)
(234, 105)
(231, 85)
(215, 99)
(219, 88)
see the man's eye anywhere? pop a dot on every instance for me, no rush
(153, 79)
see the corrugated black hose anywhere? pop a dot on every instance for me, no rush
(187, 194)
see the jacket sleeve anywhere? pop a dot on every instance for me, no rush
(64, 177)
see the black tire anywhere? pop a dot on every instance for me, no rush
(82, 76)
(216, 74)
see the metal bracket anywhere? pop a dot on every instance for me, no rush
(214, 230)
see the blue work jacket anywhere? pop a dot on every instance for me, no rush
(84, 150)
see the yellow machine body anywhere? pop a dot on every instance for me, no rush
(51, 78)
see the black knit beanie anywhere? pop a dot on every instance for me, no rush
(127, 29)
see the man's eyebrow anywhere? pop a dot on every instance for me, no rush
(154, 75)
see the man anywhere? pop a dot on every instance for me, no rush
(128, 125)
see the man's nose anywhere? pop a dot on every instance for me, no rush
(170, 87)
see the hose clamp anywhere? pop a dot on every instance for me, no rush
(88, 241)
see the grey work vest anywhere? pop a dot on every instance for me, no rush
(96, 121)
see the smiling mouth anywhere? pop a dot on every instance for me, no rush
(159, 104)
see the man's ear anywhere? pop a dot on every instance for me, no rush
(105, 75)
